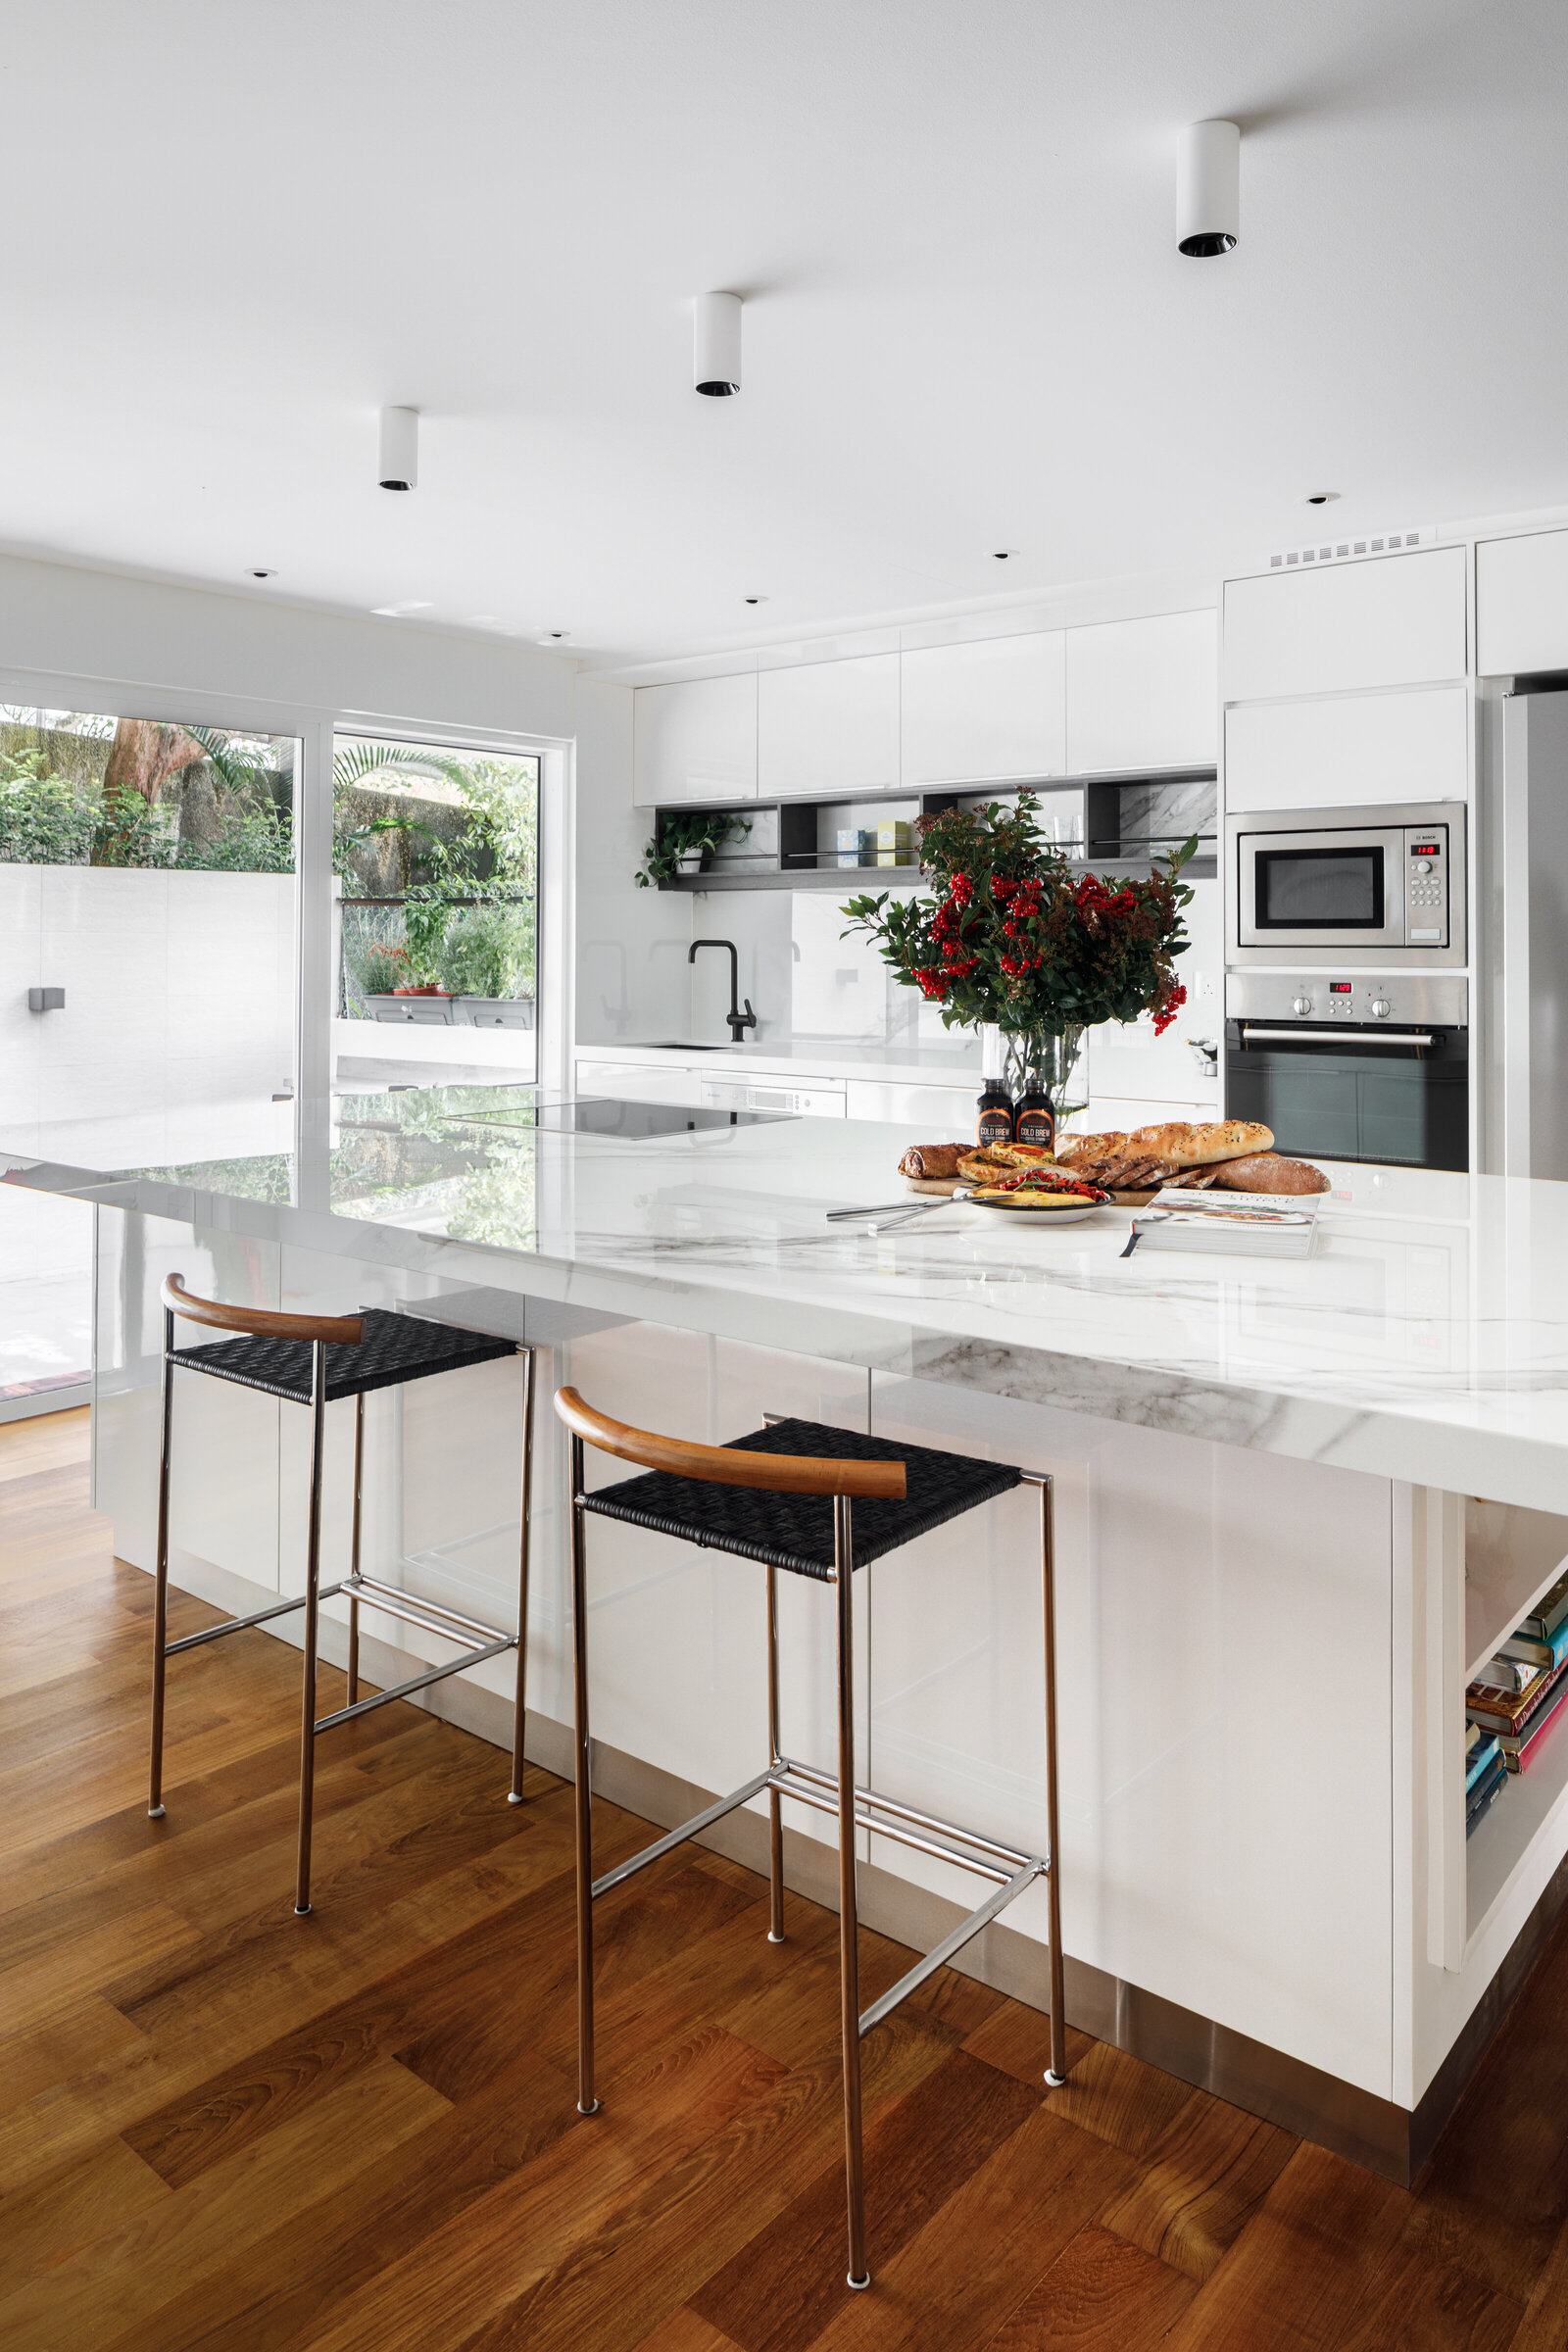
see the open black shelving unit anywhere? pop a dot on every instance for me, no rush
(1127, 820)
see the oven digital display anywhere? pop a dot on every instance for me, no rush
(1340, 988)
(1426, 849)
(1328, 890)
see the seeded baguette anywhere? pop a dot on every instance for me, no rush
(1199, 1146)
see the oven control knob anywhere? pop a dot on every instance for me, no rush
(1301, 1004)
(1380, 1009)
(1423, 865)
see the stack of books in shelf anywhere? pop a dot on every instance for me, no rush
(1485, 1773)
(1515, 1697)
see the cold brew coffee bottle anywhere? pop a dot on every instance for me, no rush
(1035, 1121)
(994, 1114)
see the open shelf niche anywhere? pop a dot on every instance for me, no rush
(1513, 1556)
(1097, 821)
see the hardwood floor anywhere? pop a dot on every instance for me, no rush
(223, 2127)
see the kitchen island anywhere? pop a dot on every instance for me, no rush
(1298, 1505)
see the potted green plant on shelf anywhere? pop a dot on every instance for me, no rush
(684, 844)
(1015, 945)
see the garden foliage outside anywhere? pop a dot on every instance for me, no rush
(79, 788)
(438, 856)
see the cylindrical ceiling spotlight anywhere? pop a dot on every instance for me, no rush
(1209, 189)
(398, 468)
(716, 370)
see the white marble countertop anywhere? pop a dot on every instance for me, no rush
(1426, 1339)
(821, 1056)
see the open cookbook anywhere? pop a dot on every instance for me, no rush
(1237, 1223)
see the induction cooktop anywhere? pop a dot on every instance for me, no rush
(600, 1115)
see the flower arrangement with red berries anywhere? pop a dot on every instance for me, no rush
(1014, 941)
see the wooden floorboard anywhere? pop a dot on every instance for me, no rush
(225, 2130)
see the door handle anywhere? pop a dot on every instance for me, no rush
(1320, 1037)
(46, 999)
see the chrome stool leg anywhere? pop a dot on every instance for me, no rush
(313, 1577)
(155, 1785)
(515, 1795)
(1056, 2070)
(587, 2103)
(354, 1553)
(849, 1917)
(775, 1757)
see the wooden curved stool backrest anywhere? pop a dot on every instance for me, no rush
(262, 1321)
(724, 1465)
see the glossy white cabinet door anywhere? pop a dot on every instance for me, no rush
(638, 1082)
(828, 726)
(985, 713)
(1392, 620)
(1226, 1830)
(939, 1113)
(1522, 604)
(695, 741)
(1142, 694)
(1349, 750)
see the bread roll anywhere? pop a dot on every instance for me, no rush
(1269, 1172)
(932, 1159)
(1023, 1155)
(1188, 1147)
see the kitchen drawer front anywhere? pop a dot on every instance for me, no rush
(933, 1115)
(812, 1099)
(637, 1081)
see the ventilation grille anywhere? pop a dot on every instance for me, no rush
(1344, 551)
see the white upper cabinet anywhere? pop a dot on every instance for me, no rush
(1522, 604)
(828, 727)
(1394, 621)
(987, 712)
(696, 741)
(1143, 693)
(1349, 749)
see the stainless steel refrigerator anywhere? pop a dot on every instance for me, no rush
(1522, 935)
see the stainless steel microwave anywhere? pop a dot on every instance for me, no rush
(1381, 887)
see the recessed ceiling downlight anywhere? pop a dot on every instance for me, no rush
(1320, 498)
(716, 345)
(397, 468)
(263, 572)
(1208, 190)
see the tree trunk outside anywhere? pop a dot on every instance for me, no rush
(143, 755)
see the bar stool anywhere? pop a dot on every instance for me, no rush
(315, 1360)
(784, 1497)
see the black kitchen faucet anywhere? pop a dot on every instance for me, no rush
(739, 1023)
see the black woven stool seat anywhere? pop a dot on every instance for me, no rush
(394, 1348)
(796, 1531)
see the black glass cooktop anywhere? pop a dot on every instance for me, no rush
(602, 1116)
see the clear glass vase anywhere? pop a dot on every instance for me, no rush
(1047, 1059)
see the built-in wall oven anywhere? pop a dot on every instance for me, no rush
(1347, 1067)
(1380, 887)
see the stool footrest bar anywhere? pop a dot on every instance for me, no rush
(418, 1682)
(237, 1624)
(412, 1611)
(951, 1829)
(869, 1814)
(372, 1592)
(952, 1943)
(688, 1829)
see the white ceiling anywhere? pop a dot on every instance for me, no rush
(232, 233)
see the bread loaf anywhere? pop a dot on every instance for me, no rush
(1072, 1148)
(932, 1159)
(1196, 1147)
(1269, 1172)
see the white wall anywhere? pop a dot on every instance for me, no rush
(257, 653)
(632, 980)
